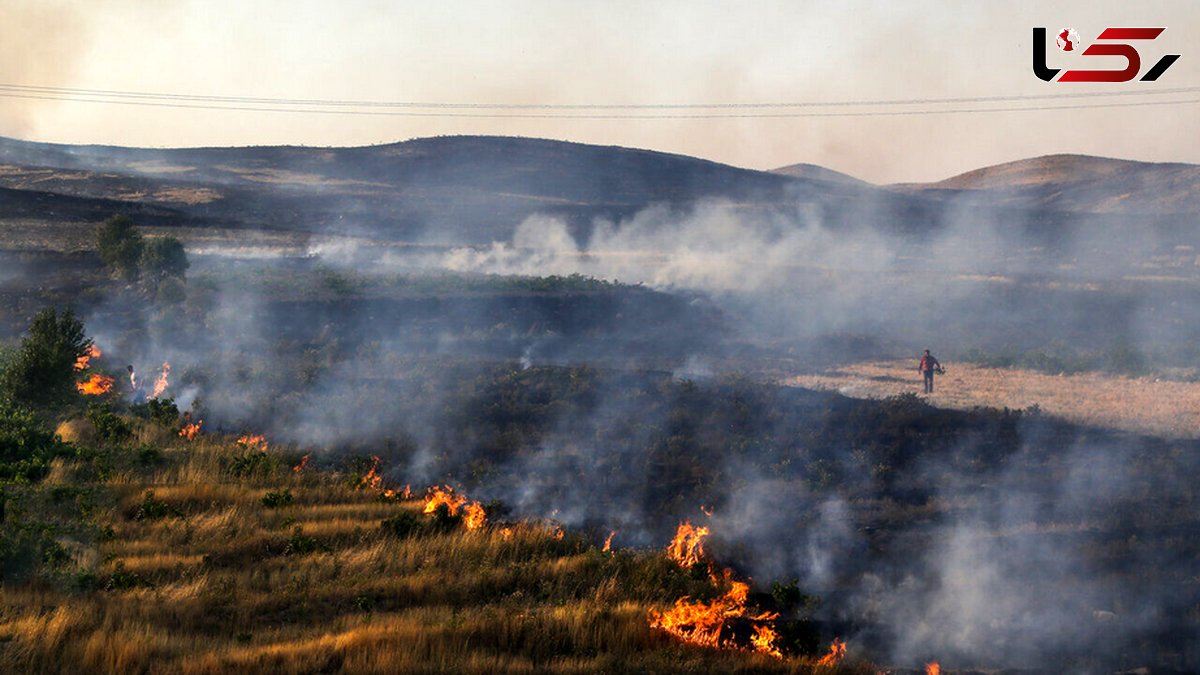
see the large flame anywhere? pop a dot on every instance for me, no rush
(436, 496)
(83, 362)
(95, 385)
(702, 623)
(474, 517)
(837, 652)
(766, 640)
(160, 385)
(933, 668)
(687, 548)
(190, 430)
(256, 442)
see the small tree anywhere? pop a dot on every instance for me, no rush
(43, 371)
(163, 257)
(120, 246)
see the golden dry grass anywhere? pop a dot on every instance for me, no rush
(1138, 404)
(216, 582)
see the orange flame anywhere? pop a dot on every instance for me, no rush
(933, 668)
(372, 478)
(95, 385)
(687, 548)
(766, 640)
(474, 517)
(254, 443)
(303, 463)
(82, 362)
(837, 652)
(189, 431)
(701, 622)
(608, 541)
(507, 533)
(558, 533)
(443, 495)
(160, 385)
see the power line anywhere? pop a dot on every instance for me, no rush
(21, 88)
(571, 111)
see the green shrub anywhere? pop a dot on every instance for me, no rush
(274, 500)
(110, 427)
(153, 509)
(26, 445)
(162, 411)
(42, 373)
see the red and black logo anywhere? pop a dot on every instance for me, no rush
(1105, 45)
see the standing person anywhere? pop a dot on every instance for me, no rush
(929, 365)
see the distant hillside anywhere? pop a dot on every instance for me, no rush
(449, 190)
(1078, 183)
(814, 172)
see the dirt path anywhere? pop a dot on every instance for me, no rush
(1143, 404)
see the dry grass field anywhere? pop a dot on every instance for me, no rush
(1138, 404)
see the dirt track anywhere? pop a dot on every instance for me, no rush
(1144, 404)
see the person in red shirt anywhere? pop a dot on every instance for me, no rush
(929, 365)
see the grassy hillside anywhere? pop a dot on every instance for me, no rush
(207, 556)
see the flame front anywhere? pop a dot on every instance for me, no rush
(837, 652)
(95, 385)
(933, 668)
(474, 517)
(687, 548)
(83, 362)
(700, 623)
(160, 385)
(254, 443)
(189, 431)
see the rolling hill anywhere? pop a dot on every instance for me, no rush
(1077, 184)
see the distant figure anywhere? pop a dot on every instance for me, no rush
(929, 366)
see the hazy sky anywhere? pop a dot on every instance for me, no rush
(568, 52)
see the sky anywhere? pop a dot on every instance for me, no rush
(617, 53)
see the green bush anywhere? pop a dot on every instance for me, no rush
(160, 410)
(26, 445)
(110, 427)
